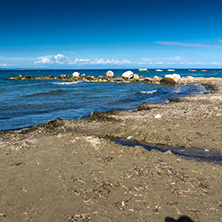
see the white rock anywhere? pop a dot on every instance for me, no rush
(168, 152)
(128, 75)
(75, 74)
(171, 78)
(176, 77)
(109, 74)
(136, 76)
(168, 76)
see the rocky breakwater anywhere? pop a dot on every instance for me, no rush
(127, 77)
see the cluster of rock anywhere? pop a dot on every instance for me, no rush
(126, 77)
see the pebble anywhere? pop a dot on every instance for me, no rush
(158, 116)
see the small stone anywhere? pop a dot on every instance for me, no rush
(168, 152)
(158, 116)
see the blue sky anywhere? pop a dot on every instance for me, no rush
(110, 34)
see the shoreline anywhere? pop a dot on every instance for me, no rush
(120, 115)
(66, 170)
(155, 80)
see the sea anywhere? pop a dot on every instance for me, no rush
(24, 103)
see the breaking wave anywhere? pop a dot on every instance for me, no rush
(66, 83)
(148, 92)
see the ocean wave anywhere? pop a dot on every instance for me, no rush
(66, 83)
(52, 92)
(148, 92)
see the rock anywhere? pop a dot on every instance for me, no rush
(146, 106)
(28, 77)
(119, 78)
(171, 79)
(109, 74)
(90, 78)
(168, 152)
(83, 76)
(101, 79)
(176, 77)
(135, 76)
(41, 77)
(128, 75)
(75, 78)
(63, 76)
(76, 74)
(19, 77)
(147, 79)
(127, 81)
(168, 81)
(107, 115)
(51, 77)
(156, 78)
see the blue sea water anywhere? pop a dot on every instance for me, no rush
(24, 103)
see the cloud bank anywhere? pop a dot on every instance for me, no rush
(62, 61)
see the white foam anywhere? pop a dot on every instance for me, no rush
(148, 92)
(18, 131)
(66, 83)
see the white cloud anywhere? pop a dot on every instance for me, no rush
(100, 61)
(205, 63)
(110, 61)
(158, 59)
(81, 61)
(161, 60)
(3, 65)
(215, 63)
(53, 59)
(220, 41)
(188, 44)
(63, 60)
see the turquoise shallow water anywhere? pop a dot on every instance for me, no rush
(24, 103)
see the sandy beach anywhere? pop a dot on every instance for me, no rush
(72, 170)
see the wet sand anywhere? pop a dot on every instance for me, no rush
(72, 171)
